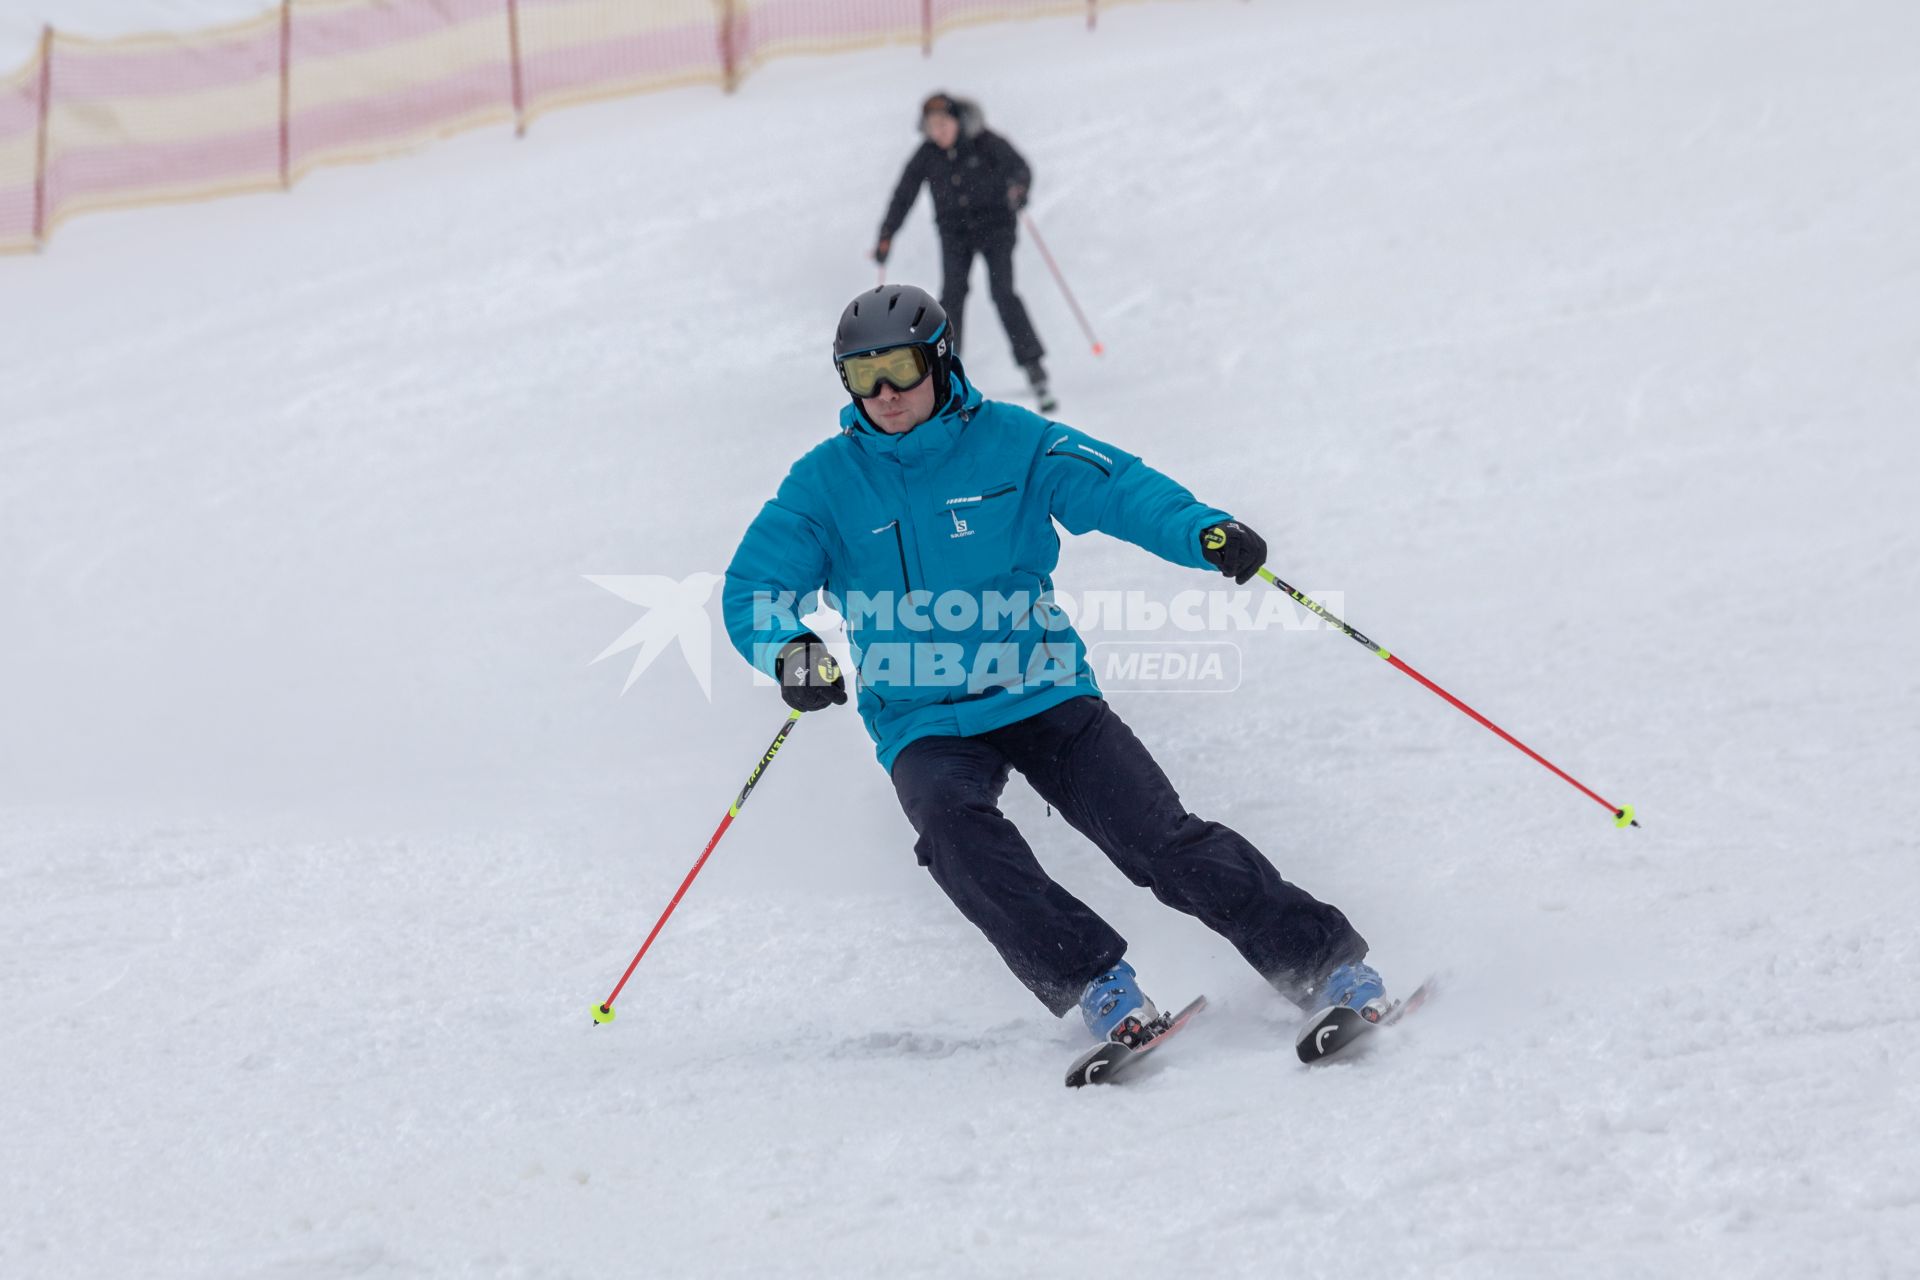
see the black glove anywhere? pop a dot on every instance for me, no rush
(881, 249)
(810, 679)
(1233, 549)
(1017, 197)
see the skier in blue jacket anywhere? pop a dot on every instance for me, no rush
(929, 521)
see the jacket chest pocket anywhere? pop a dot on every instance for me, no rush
(973, 535)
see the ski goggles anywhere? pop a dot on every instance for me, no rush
(902, 368)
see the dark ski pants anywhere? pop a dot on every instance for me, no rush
(1086, 763)
(995, 244)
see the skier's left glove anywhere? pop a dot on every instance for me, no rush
(1233, 549)
(810, 679)
(1017, 197)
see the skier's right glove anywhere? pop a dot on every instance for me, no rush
(882, 249)
(1233, 549)
(810, 679)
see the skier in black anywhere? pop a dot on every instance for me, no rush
(979, 184)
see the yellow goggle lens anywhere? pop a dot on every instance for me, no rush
(904, 368)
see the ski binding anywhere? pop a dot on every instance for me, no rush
(1107, 1061)
(1336, 1030)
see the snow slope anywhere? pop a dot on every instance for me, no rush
(1575, 344)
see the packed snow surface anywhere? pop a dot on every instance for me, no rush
(1576, 346)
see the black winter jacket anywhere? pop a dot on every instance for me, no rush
(969, 182)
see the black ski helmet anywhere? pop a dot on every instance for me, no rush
(896, 315)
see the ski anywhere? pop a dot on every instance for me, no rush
(1108, 1061)
(1337, 1030)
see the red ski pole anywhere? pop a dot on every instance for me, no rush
(603, 1012)
(1622, 815)
(1061, 280)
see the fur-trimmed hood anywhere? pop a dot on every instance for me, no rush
(965, 110)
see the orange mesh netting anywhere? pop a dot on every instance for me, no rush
(91, 124)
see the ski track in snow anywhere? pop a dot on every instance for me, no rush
(1576, 345)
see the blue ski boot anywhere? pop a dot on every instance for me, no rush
(1341, 1008)
(1354, 985)
(1116, 1009)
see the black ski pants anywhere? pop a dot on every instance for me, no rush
(993, 242)
(1084, 761)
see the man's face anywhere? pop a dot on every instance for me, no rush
(943, 130)
(898, 412)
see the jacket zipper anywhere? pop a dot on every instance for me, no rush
(900, 545)
(1055, 451)
(967, 504)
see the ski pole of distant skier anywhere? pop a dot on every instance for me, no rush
(1061, 280)
(603, 1012)
(1622, 815)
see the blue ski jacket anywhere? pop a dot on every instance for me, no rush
(938, 548)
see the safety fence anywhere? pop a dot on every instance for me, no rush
(96, 124)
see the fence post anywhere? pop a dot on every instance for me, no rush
(729, 54)
(519, 81)
(40, 152)
(1093, 13)
(926, 28)
(286, 95)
